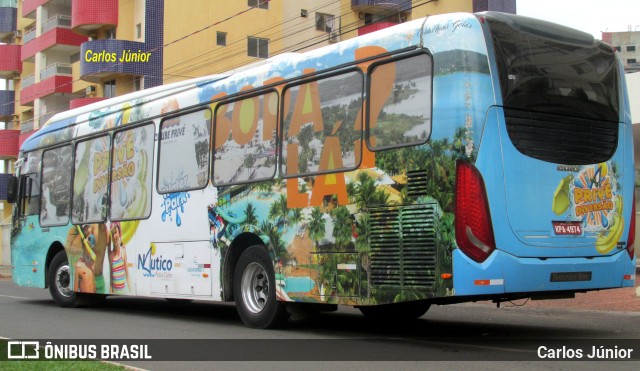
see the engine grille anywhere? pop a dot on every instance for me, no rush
(403, 247)
(561, 139)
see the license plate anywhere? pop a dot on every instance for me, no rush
(567, 228)
(570, 276)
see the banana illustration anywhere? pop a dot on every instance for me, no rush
(561, 201)
(608, 240)
(128, 230)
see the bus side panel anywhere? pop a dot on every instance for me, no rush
(29, 248)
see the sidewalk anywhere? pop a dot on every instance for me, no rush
(5, 271)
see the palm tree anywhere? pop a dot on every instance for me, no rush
(278, 246)
(341, 227)
(283, 211)
(363, 248)
(366, 189)
(296, 217)
(316, 226)
(250, 213)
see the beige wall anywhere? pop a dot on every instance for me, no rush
(198, 55)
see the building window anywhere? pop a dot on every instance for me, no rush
(262, 4)
(137, 83)
(221, 38)
(138, 30)
(631, 60)
(110, 34)
(618, 48)
(258, 47)
(324, 22)
(631, 48)
(110, 89)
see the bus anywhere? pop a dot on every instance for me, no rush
(449, 159)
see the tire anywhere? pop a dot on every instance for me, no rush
(396, 312)
(59, 281)
(254, 290)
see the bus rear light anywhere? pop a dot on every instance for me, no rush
(631, 239)
(446, 276)
(474, 231)
(627, 277)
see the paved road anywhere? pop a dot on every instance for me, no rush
(448, 333)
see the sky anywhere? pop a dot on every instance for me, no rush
(591, 16)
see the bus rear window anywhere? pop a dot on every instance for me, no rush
(553, 69)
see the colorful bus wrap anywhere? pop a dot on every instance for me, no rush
(448, 159)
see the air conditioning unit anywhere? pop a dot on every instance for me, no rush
(334, 37)
(304, 13)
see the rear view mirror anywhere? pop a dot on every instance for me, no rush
(12, 190)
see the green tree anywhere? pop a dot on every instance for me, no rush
(366, 189)
(316, 226)
(341, 227)
(362, 246)
(250, 212)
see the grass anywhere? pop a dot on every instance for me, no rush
(51, 365)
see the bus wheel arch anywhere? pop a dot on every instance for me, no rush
(55, 248)
(241, 243)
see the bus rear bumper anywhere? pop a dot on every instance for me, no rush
(505, 273)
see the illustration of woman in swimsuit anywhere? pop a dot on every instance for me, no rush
(120, 282)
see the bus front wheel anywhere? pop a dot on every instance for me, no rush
(59, 280)
(254, 290)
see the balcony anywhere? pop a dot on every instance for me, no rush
(9, 140)
(101, 59)
(8, 17)
(10, 63)
(88, 16)
(81, 102)
(27, 126)
(7, 106)
(383, 7)
(53, 84)
(55, 69)
(29, 7)
(29, 35)
(28, 80)
(58, 37)
(374, 27)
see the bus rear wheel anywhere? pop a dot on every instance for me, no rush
(254, 290)
(59, 281)
(396, 312)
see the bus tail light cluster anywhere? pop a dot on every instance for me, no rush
(474, 231)
(632, 229)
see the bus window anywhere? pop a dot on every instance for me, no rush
(323, 125)
(247, 147)
(184, 152)
(56, 175)
(131, 173)
(29, 194)
(29, 188)
(90, 181)
(399, 103)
